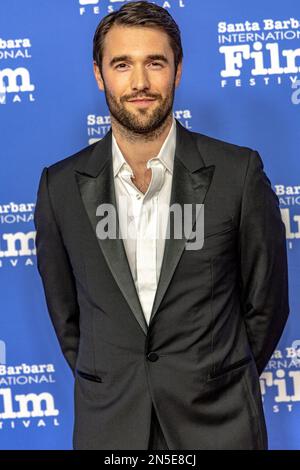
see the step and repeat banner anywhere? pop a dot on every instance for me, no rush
(241, 83)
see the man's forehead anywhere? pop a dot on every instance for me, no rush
(136, 37)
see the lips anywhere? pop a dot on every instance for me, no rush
(142, 103)
(141, 99)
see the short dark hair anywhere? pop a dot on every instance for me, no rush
(140, 13)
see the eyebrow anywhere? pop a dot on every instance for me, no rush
(121, 58)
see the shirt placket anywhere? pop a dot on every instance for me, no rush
(146, 246)
(146, 256)
(145, 211)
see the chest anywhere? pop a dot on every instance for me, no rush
(142, 182)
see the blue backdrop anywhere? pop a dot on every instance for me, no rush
(241, 83)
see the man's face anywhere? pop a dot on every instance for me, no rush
(129, 72)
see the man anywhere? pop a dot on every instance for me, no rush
(166, 343)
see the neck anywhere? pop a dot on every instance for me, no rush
(138, 149)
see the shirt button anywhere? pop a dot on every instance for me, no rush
(152, 356)
(138, 196)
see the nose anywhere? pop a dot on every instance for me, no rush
(139, 78)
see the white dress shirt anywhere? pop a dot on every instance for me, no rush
(145, 220)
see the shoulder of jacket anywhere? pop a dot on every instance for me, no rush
(217, 148)
(68, 163)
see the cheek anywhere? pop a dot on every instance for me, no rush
(115, 85)
(162, 82)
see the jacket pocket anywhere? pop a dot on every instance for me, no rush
(232, 367)
(85, 375)
(220, 232)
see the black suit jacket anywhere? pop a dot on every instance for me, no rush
(217, 315)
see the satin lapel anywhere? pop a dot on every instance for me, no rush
(96, 189)
(190, 183)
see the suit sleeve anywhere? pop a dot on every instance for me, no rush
(263, 263)
(56, 273)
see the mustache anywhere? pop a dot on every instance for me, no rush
(140, 97)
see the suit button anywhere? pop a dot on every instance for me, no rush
(152, 356)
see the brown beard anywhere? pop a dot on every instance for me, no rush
(128, 123)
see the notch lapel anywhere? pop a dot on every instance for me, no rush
(191, 180)
(96, 184)
(190, 183)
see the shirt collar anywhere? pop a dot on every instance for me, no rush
(165, 155)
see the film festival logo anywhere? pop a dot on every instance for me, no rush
(289, 199)
(98, 125)
(25, 410)
(280, 381)
(15, 81)
(259, 52)
(95, 6)
(180, 223)
(17, 244)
